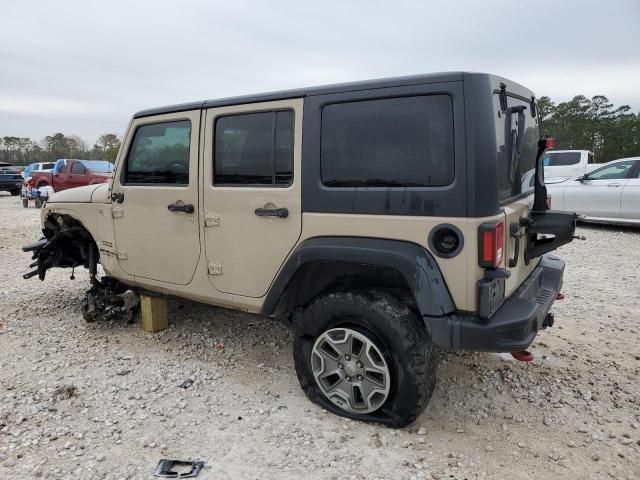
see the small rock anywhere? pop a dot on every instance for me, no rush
(595, 457)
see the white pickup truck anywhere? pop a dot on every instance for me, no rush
(567, 163)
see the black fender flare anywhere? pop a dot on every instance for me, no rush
(411, 260)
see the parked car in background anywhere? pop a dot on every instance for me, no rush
(568, 163)
(10, 179)
(37, 167)
(609, 194)
(71, 173)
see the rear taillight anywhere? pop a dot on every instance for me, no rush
(491, 244)
(550, 143)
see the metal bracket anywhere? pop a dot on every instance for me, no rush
(211, 220)
(122, 255)
(117, 212)
(214, 268)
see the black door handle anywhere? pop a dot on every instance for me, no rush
(272, 212)
(186, 208)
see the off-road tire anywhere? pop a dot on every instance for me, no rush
(15, 192)
(25, 203)
(38, 203)
(398, 332)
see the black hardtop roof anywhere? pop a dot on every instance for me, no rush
(304, 92)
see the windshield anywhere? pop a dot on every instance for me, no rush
(517, 136)
(98, 165)
(560, 159)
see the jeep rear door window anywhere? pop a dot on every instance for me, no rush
(254, 149)
(159, 154)
(517, 136)
(561, 159)
(391, 142)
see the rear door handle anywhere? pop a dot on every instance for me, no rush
(186, 208)
(613, 184)
(272, 212)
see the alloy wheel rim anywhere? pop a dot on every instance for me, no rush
(350, 370)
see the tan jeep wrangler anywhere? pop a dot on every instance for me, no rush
(382, 219)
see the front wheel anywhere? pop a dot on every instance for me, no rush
(25, 203)
(365, 355)
(39, 203)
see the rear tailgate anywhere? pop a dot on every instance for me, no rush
(517, 136)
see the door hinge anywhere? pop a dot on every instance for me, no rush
(214, 268)
(122, 255)
(211, 220)
(117, 212)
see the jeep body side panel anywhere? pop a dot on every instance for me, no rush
(412, 261)
(96, 218)
(461, 271)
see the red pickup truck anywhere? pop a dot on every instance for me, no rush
(70, 173)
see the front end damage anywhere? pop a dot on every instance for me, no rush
(68, 244)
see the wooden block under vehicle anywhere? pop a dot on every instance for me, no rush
(154, 313)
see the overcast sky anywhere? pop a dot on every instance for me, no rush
(83, 67)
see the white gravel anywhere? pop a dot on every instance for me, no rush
(101, 400)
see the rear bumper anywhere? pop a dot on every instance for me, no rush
(516, 323)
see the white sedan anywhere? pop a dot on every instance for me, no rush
(609, 194)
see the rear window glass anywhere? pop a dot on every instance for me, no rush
(561, 159)
(517, 136)
(393, 142)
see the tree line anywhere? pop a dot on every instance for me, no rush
(579, 124)
(592, 124)
(23, 150)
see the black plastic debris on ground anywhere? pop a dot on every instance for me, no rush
(178, 468)
(186, 384)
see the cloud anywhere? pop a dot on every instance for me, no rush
(50, 106)
(86, 66)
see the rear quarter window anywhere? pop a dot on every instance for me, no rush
(392, 142)
(561, 159)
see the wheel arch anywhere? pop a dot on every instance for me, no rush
(320, 263)
(67, 243)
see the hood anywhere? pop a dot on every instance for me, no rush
(76, 195)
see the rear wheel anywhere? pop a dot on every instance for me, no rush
(365, 355)
(38, 203)
(16, 191)
(25, 203)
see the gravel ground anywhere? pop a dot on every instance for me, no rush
(102, 400)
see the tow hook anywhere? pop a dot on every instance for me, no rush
(548, 321)
(523, 356)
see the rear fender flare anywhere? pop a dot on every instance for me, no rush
(412, 261)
